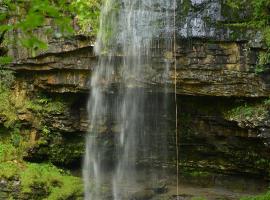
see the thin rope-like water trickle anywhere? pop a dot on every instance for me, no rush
(176, 104)
(123, 144)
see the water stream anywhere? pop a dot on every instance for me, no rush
(121, 140)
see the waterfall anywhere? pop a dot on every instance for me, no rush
(122, 143)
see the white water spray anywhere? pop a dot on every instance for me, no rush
(131, 31)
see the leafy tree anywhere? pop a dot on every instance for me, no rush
(87, 13)
(26, 16)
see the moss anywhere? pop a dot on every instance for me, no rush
(4, 60)
(185, 7)
(88, 14)
(37, 108)
(194, 173)
(7, 110)
(248, 111)
(46, 180)
(7, 152)
(259, 15)
(13, 147)
(65, 154)
(57, 183)
(200, 174)
(60, 149)
(267, 36)
(263, 62)
(198, 198)
(9, 170)
(260, 197)
(53, 182)
(41, 104)
(34, 110)
(262, 163)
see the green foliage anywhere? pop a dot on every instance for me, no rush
(12, 104)
(259, 69)
(6, 79)
(195, 173)
(13, 147)
(36, 108)
(264, 60)
(72, 150)
(248, 111)
(267, 35)
(185, 7)
(260, 14)
(259, 10)
(245, 112)
(55, 16)
(260, 197)
(198, 198)
(87, 13)
(199, 174)
(7, 110)
(32, 42)
(9, 170)
(262, 162)
(43, 105)
(54, 183)
(28, 16)
(7, 152)
(258, 20)
(4, 60)
(57, 183)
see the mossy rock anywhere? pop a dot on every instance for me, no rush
(35, 181)
(60, 149)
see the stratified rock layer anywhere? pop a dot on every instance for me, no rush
(215, 70)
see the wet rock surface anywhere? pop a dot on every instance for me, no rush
(209, 60)
(203, 68)
(208, 140)
(215, 70)
(219, 70)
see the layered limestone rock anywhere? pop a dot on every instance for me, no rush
(212, 58)
(215, 66)
(203, 68)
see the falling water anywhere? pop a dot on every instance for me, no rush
(131, 33)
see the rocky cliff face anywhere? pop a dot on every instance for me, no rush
(224, 119)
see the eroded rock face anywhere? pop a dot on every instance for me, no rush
(208, 141)
(210, 60)
(214, 65)
(203, 68)
(58, 72)
(218, 69)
